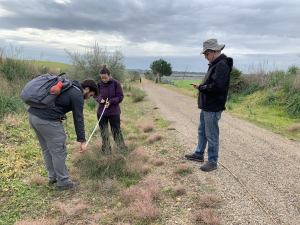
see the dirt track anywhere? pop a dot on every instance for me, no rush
(266, 163)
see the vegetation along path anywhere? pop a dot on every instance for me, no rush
(266, 163)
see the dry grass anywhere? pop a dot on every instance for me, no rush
(124, 128)
(132, 136)
(153, 186)
(157, 161)
(13, 121)
(38, 179)
(296, 82)
(148, 127)
(126, 120)
(171, 128)
(183, 168)
(206, 216)
(179, 190)
(75, 207)
(138, 154)
(37, 222)
(76, 156)
(155, 137)
(139, 199)
(74, 174)
(97, 144)
(144, 135)
(210, 200)
(294, 128)
(143, 168)
(110, 186)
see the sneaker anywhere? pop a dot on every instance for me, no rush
(52, 181)
(208, 167)
(194, 157)
(69, 185)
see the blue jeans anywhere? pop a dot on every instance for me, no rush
(208, 131)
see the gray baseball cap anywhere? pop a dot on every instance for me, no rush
(212, 44)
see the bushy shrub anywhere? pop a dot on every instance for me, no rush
(293, 107)
(92, 103)
(135, 75)
(126, 87)
(95, 164)
(149, 75)
(276, 78)
(236, 81)
(268, 99)
(138, 95)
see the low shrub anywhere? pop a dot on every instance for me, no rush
(183, 169)
(206, 216)
(210, 200)
(138, 95)
(94, 164)
(155, 137)
(92, 103)
(294, 128)
(293, 107)
(179, 190)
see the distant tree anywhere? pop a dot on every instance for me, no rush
(161, 67)
(135, 75)
(149, 75)
(89, 63)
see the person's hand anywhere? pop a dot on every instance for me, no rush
(83, 148)
(102, 101)
(196, 86)
(107, 105)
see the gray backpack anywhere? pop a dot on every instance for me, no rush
(36, 92)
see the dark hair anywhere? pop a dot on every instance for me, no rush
(91, 84)
(104, 70)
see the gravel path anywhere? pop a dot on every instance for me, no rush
(266, 163)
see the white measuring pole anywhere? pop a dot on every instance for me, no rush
(97, 124)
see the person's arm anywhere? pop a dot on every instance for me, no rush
(219, 79)
(77, 102)
(99, 97)
(119, 96)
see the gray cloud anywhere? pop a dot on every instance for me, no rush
(253, 25)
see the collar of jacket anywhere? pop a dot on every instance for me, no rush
(216, 60)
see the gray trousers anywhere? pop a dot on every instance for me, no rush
(52, 138)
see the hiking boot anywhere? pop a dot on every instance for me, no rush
(52, 181)
(208, 167)
(194, 157)
(69, 185)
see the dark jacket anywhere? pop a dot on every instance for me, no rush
(114, 94)
(214, 89)
(70, 100)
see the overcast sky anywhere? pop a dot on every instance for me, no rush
(256, 31)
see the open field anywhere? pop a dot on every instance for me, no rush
(53, 65)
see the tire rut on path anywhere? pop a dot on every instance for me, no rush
(267, 163)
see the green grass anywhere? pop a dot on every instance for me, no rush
(22, 158)
(52, 65)
(266, 110)
(186, 83)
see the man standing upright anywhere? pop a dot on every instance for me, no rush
(47, 124)
(211, 100)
